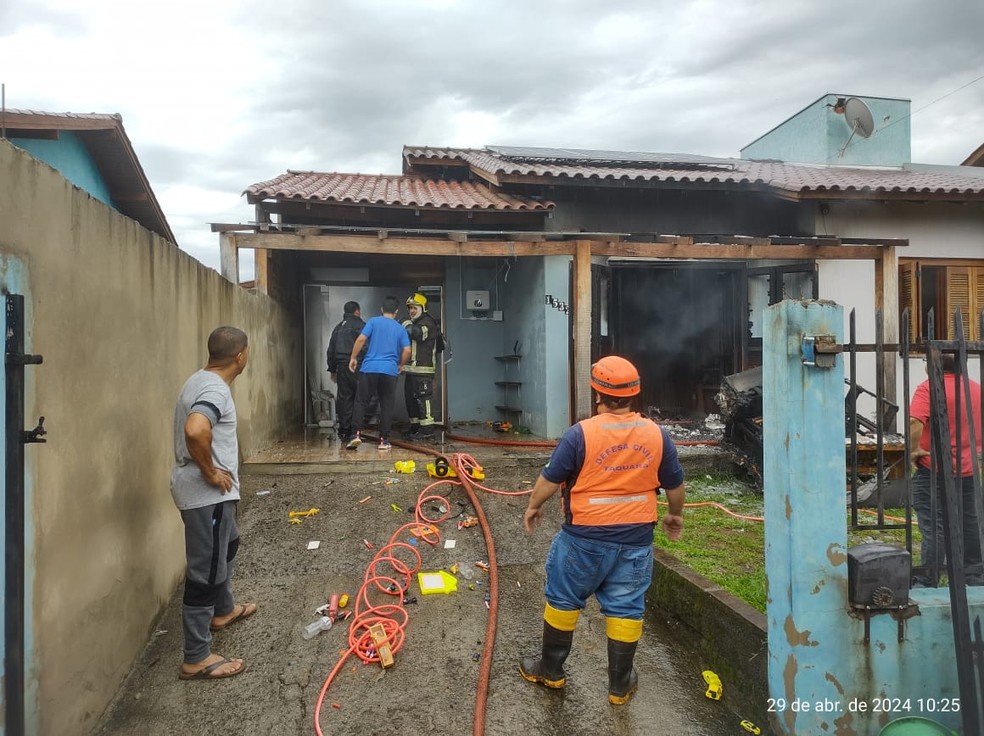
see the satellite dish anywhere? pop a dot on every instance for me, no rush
(859, 118)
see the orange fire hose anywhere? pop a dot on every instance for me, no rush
(538, 443)
(393, 616)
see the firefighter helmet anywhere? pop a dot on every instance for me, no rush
(615, 376)
(417, 300)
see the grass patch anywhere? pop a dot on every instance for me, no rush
(724, 549)
(730, 551)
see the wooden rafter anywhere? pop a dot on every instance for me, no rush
(313, 239)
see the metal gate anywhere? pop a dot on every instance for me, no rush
(950, 491)
(15, 438)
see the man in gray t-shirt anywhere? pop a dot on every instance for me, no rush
(205, 488)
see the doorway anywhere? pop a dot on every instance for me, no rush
(323, 308)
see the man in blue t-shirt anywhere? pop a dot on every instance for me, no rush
(388, 351)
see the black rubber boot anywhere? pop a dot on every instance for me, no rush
(622, 678)
(548, 669)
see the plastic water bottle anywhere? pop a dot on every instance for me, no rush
(316, 627)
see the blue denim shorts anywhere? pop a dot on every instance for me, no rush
(617, 575)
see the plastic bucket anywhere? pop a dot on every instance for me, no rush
(914, 726)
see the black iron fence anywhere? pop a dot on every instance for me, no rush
(934, 466)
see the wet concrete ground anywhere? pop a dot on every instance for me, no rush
(431, 688)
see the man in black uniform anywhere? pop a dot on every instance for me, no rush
(423, 330)
(340, 345)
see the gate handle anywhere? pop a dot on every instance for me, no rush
(36, 434)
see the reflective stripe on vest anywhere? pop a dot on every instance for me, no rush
(618, 480)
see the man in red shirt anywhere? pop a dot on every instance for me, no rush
(920, 442)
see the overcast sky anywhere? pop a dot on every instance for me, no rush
(220, 94)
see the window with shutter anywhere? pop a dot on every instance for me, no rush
(958, 296)
(977, 303)
(941, 285)
(909, 297)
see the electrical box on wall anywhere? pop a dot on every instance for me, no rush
(477, 301)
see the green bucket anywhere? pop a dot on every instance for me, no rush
(914, 726)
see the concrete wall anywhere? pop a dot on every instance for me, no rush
(609, 209)
(121, 317)
(69, 155)
(474, 340)
(539, 333)
(934, 230)
(817, 134)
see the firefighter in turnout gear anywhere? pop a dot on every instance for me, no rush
(423, 331)
(609, 469)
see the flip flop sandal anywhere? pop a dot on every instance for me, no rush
(205, 673)
(244, 612)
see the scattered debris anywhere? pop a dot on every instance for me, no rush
(365, 499)
(714, 687)
(482, 566)
(405, 466)
(368, 544)
(449, 543)
(751, 727)
(313, 544)
(467, 522)
(395, 507)
(264, 492)
(303, 514)
(436, 582)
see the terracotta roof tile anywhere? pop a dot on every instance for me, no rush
(406, 191)
(795, 178)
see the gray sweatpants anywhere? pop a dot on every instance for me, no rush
(211, 543)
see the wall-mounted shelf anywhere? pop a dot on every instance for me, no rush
(509, 387)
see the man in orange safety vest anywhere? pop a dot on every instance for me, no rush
(610, 469)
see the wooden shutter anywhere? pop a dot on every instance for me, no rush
(959, 293)
(976, 301)
(909, 297)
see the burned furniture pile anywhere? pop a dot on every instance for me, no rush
(740, 403)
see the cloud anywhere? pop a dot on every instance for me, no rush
(217, 96)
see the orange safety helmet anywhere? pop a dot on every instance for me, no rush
(615, 376)
(417, 300)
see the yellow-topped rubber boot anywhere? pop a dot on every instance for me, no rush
(548, 669)
(622, 678)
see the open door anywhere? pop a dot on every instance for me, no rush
(768, 285)
(601, 294)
